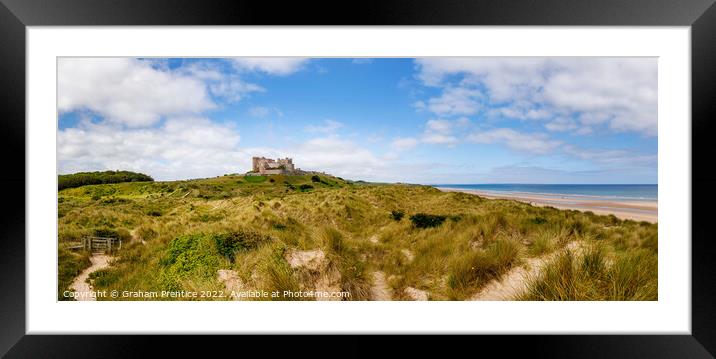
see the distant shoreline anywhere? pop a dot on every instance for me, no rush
(641, 210)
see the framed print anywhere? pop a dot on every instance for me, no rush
(466, 178)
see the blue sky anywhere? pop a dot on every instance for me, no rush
(431, 120)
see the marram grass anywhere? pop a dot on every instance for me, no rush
(176, 235)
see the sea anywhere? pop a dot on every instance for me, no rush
(626, 192)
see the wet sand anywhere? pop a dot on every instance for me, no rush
(635, 210)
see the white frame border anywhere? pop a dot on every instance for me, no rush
(671, 314)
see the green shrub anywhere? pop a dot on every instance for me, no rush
(315, 179)
(228, 243)
(422, 220)
(305, 187)
(185, 256)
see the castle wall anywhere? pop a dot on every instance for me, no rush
(270, 166)
(276, 171)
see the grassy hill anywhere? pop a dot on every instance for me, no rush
(178, 234)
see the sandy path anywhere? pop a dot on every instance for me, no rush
(234, 285)
(380, 289)
(80, 285)
(635, 210)
(514, 282)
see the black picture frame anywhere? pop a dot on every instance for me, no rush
(700, 15)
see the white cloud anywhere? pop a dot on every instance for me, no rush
(441, 131)
(621, 93)
(455, 101)
(561, 124)
(280, 66)
(439, 139)
(521, 111)
(613, 157)
(529, 142)
(181, 148)
(128, 91)
(226, 86)
(328, 126)
(338, 156)
(232, 89)
(404, 143)
(440, 126)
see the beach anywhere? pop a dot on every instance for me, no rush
(634, 210)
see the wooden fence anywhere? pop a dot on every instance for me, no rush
(99, 244)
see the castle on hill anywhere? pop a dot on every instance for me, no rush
(269, 166)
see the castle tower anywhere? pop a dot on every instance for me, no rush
(255, 164)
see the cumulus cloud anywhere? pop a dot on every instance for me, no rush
(128, 91)
(529, 142)
(442, 131)
(618, 93)
(279, 66)
(180, 148)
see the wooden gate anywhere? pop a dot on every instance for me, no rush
(101, 244)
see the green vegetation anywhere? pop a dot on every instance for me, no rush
(591, 276)
(422, 220)
(255, 179)
(87, 178)
(229, 243)
(397, 215)
(70, 265)
(177, 235)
